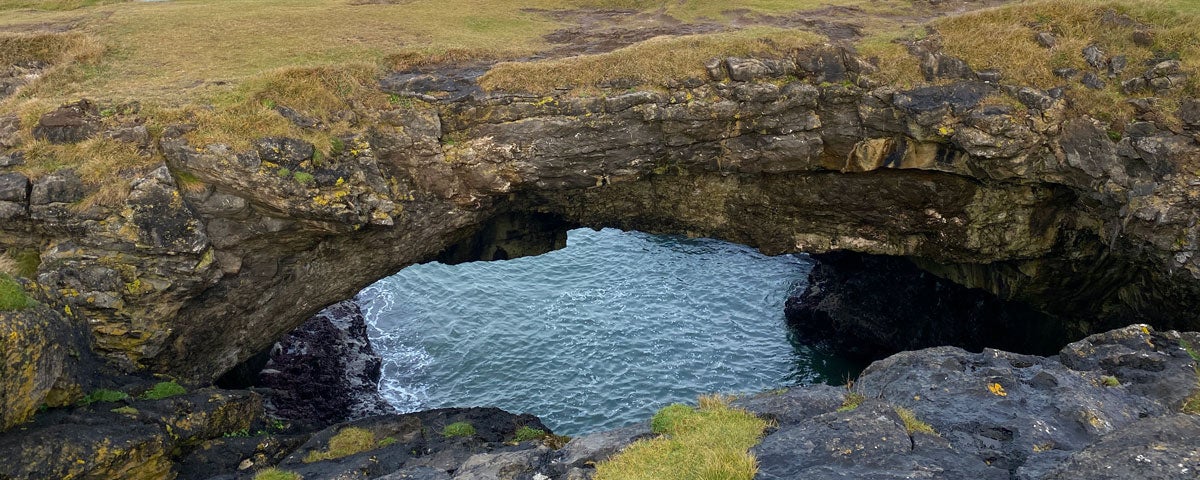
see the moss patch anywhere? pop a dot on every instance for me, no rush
(459, 429)
(103, 395)
(163, 390)
(348, 441)
(710, 442)
(526, 433)
(276, 474)
(12, 295)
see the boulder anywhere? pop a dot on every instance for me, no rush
(69, 123)
(325, 371)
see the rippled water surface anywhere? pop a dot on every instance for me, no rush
(597, 335)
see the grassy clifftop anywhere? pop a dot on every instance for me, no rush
(223, 66)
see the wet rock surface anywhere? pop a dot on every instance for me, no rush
(325, 371)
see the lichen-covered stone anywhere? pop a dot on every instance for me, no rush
(40, 349)
(136, 442)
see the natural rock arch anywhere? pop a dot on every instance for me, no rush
(221, 251)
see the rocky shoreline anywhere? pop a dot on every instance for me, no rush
(1121, 404)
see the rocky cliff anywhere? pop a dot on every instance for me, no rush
(219, 251)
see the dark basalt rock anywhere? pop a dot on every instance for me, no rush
(325, 371)
(419, 442)
(997, 415)
(60, 187)
(870, 306)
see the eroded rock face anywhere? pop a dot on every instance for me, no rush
(325, 371)
(1028, 203)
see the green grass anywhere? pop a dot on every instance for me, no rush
(348, 441)
(163, 390)
(12, 295)
(28, 261)
(526, 433)
(709, 442)
(276, 474)
(665, 420)
(458, 429)
(103, 395)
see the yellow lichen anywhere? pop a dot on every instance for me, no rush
(997, 389)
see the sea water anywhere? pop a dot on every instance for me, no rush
(597, 335)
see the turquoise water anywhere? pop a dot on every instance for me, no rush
(597, 335)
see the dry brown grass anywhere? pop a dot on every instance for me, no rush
(53, 4)
(888, 51)
(100, 162)
(1076, 24)
(654, 62)
(8, 266)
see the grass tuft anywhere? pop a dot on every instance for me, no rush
(666, 419)
(163, 390)
(458, 429)
(851, 401)
(912, 424)
(276, 474)
(710, 442)
(348, 441)
(526, 433)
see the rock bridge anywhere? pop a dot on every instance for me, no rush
(221, 250)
